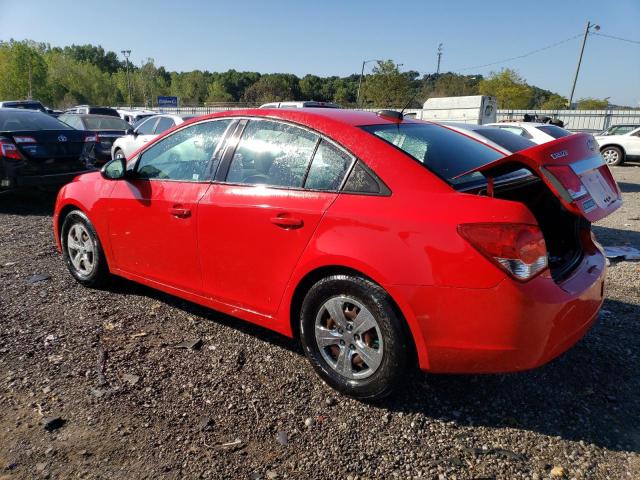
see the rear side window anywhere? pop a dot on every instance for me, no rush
(103, 111)
(328, 168)
(506, 139)
(146, 127)
(363, 180)
(15, 120)
(272, 153)
(443, 151)
(164, 124)
(555, 132)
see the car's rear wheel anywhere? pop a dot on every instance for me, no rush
(612, 155)
(82, 251)
(353, 337)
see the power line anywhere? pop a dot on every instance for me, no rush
(520, 56)
(617, 38)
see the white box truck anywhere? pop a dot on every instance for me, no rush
(475, 109)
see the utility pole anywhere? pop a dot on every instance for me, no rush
(439, 58)
(360, 81)
(30, 97)
(584, 41)
(126, 54)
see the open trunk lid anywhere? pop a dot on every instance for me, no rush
(572, 168)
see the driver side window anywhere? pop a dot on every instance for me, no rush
(183, 155)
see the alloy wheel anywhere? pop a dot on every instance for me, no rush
(349, 338)
(610, 156)
(81, 249)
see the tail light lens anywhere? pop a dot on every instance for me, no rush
(95, 138)
(564, 176)
(518, 249)
(9, 150)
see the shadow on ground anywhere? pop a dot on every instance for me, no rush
(590, 393)
(27, 203)
(615, 236)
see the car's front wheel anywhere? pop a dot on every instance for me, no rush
(612, 155)
(82, 251)
(353, 337)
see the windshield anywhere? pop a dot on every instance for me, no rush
(15, 121)
(443, 151)
(507, 140)
(555, 132)
(105, 123)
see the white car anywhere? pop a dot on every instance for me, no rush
(132, 116)
(146, 131)
(536, 132)
(615, 149)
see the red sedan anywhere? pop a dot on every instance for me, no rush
(378, 241)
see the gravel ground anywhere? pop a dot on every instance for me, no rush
(94, 384)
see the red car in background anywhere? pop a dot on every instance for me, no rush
(377, 240)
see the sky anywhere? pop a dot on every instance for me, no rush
(334, 37)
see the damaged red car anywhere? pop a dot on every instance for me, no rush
(381, 242)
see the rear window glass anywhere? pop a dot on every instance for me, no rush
(104, 111)
(105, 123)
(444, 152)
(17, 120)
(507, 140)
(555, 132)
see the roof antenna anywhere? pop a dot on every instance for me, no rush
(409, 103)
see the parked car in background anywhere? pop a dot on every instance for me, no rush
(106, 127)
(144, 132)
(536, 132)
(305, 104)
(134, 116)
(619, 129)
(25, 105)
(501, 139)
(617, 148)
(88, 109)
(349, 230)
(37, 150)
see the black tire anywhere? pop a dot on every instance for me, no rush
(395, 353)
(612, 155)
(99, 274)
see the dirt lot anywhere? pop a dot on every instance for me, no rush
(246, 404)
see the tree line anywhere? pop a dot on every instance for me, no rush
(79, 74)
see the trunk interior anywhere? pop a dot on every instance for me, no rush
(561, 229)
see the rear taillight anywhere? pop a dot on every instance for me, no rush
(519, 249)
(563, 177)
(92, 138)
(9, 150)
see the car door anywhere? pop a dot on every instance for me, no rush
(153, 211)
(254, 224)
(631, 143)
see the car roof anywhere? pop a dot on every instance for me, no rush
(310, 116)
(90, 115)
(517, 124)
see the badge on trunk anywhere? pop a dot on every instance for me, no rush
(62, 138)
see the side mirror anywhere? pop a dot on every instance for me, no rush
(116, 169)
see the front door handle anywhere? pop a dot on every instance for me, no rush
(180, 212)
(287, 222)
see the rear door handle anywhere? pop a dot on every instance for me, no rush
(180, 212)
(287, 222)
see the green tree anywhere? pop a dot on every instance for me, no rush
(592, 104)
(23, 70)
(509, 88)
(274, 87)
(105, 61)
(554, 102)
(218, 92)
(387, 87)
